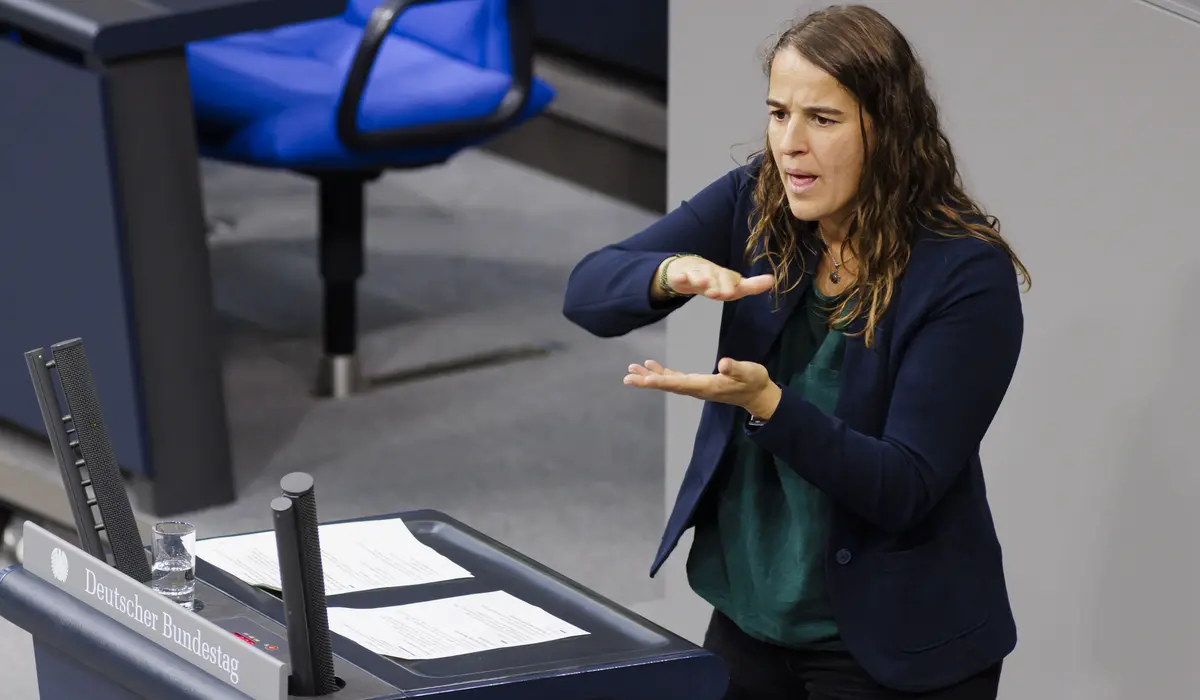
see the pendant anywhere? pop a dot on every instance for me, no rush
(835, 277)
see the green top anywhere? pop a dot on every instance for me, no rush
(758, 553)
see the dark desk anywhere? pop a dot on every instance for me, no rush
(102, 232)
(115, 29)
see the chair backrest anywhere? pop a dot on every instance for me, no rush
(475, 31)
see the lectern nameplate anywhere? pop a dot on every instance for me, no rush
(139, 608)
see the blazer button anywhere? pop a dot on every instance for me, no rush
(843, 556)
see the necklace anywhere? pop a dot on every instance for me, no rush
(835, 275)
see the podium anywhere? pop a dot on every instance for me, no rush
(85, 643)
(103, 229)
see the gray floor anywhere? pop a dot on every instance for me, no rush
(553, 456)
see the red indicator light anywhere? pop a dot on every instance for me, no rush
(244, 638)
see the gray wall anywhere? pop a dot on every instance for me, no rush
(1077, 124)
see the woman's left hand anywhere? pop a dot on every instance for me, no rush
(744, 384)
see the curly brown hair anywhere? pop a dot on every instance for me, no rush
(909, 179)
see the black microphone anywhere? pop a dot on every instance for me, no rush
(303, 582)
(88, 434)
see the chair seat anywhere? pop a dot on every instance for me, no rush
(270, 98)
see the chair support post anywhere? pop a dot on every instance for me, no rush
(341, 205)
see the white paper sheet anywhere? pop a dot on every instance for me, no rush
(450, 626)
(357, 556)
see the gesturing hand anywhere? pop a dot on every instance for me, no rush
(693, 274)
(744, 384)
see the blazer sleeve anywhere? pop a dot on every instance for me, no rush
(947, 390)
(608, 292)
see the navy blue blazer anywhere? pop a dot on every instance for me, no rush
(914, 564)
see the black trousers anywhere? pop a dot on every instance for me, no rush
(761, 671)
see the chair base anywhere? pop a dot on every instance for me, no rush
(480, 360)
(341, 251)
(339, 377)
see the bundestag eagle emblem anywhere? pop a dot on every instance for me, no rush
(59, 565)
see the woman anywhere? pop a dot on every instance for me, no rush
(872, 323)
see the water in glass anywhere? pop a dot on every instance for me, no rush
(175, 579)
(173, 573)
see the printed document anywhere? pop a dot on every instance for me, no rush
(357, 556)
(451, 626)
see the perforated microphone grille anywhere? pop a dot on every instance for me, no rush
(79, 390)
(314, 590)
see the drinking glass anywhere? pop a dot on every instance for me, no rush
(173, 573)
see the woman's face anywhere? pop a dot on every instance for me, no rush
(816, 140)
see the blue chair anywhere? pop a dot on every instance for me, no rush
(388, 84)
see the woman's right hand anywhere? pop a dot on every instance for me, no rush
(693, 275)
